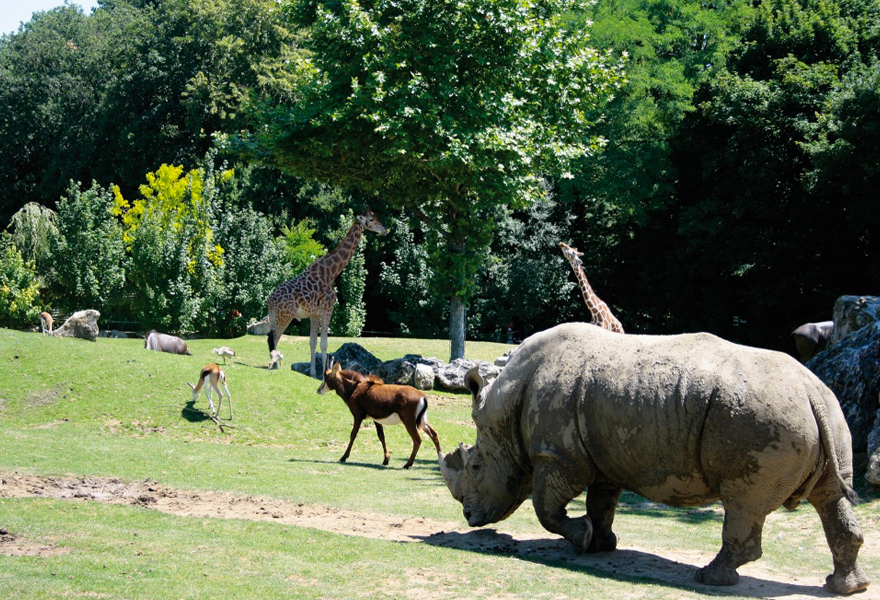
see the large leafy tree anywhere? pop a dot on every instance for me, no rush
(87, 261)
(450, 110)
(112, 95)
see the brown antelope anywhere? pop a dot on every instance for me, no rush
(46, 323)
(225, 351)
(212, 376)
(386, 404)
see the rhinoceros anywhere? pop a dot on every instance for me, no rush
(683, 420)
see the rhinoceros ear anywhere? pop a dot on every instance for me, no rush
(474, 382)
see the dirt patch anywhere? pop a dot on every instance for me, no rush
(673, 568)
(12, 545)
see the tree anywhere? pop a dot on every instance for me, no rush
(175, 261)
(32, 229)
(110, 96)
(446, 109)
(19, 286)
(87, 262)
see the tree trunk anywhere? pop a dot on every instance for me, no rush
(457, 320)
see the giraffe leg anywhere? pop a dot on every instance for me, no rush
(325, 329)
(313, 343)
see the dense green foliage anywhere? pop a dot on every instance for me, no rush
(87, 263)
(19, 286)
(464, 108)
(737, 175)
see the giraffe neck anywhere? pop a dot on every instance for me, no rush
(339, 258)
(590, 296)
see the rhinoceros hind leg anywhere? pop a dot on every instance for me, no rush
(601, 503)
(740, 543)
(844, 538)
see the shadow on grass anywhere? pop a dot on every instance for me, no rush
(193, 414)
(623, 565)
(419, 466)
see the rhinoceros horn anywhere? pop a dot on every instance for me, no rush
(451, 467)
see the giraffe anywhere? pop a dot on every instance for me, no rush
(311, 294)
(601, 313)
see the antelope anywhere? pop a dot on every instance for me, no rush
(162, 342)
(277, 357)
(225, 351)
(210, 377)
(370, 397)
(46, 323)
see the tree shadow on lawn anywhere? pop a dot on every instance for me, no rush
(624, 565)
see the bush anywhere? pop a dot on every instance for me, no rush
(87, 256)
(19, 286)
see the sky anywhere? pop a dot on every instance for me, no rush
(14, 12)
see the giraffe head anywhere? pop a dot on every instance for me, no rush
(572, 254)
(371, 222)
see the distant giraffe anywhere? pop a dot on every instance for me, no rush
(598, 309)
(311, 294)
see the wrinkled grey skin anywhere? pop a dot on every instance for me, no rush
(683, 420)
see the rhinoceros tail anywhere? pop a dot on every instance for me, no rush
(820, 411)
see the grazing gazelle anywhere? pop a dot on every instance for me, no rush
(225, 351)
(46, 323)
(212, 376)
(277, 357)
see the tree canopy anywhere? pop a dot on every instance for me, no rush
(449, 110)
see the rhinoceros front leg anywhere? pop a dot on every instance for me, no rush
(740, 543)
(554, 486)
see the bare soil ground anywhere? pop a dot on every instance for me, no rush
(641, 562)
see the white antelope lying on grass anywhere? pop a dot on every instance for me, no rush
(212, 376)
(386, 404)
(225, 351)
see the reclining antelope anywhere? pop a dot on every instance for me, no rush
(386, 404)
(212, 376)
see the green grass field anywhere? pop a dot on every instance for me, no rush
(112, 410)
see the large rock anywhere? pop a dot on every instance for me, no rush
(82, 324)
(351, 355)
(451, 376)
(259, 328)
(852, 313)
(850, 368)
(873, 472)
(413, 369)
(423, 378)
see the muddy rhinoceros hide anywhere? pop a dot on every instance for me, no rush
(682, 420)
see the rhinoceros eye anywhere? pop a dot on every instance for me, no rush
(475, 464)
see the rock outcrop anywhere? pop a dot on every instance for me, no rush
(424, 373)
(850, 368)
(82, 324)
